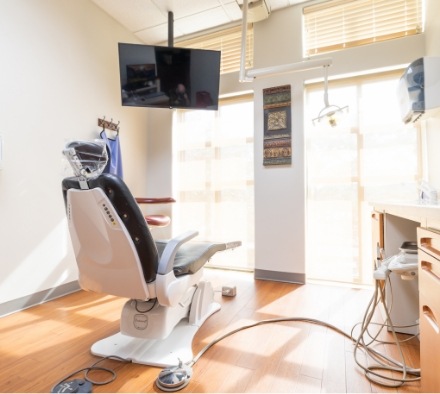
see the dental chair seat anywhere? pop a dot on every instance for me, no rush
(193, 256)
(168, 300)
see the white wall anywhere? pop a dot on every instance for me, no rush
(59, 73)
(431, 129)
(159, 169)
(432, 28)
(280, 191)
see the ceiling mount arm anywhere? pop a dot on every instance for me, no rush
(330, 113)
(242, 76)
(326, 103)
(249, 75)
(170, 29)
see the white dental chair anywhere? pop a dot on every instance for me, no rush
(116, 255)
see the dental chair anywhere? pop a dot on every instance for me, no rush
(168, 300)
(114, 166)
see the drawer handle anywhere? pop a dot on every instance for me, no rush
(427, 312)
(426, 242)
(427, 267)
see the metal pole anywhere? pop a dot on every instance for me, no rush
(170, 29)
(242, 77)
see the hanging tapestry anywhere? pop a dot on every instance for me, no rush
(277, 126)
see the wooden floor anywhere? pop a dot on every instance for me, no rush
(41, 345)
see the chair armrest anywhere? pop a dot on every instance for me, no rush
(166, 261)
(158, 220)
(155, 200)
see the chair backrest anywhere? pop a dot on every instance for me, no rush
(115, 251)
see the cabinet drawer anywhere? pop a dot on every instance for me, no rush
(429, 279)
(429, 345)
(429, 241)
(429, 288)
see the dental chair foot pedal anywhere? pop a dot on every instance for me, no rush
(73, 386)
(229, 291)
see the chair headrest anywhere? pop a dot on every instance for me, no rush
(87, 158)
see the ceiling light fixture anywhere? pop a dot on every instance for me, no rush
(332, 114)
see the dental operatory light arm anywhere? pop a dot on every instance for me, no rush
(250, 75)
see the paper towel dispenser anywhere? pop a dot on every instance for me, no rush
(419, 89)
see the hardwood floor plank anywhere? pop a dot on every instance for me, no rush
(334, 363)
(41, 345)
(306, 384)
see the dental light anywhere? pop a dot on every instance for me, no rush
(332, 114)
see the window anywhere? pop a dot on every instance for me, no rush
(229, 43)
(373, 157)
(339, 24)
(213, 177)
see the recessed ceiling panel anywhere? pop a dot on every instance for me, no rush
(148, 19)
(135, 15)
(157, 35)
(202, 21)
(233, 11)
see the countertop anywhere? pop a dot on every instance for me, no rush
(415, 211)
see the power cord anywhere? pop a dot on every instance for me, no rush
(384, 362)
(136, 302)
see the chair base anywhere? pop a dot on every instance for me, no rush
(155, 352)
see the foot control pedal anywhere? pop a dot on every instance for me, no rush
(73, 386)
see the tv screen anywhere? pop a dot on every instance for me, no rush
(169, 77)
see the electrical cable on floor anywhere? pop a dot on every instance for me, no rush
(384, 362)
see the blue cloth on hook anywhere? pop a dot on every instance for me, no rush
(114, 164)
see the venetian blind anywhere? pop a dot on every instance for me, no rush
(213, 176)
(349, 166)
(338, 24)
(229, 43)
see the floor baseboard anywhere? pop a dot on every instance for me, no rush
(40, 297)
(288, 277)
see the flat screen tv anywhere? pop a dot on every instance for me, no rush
(169, 77)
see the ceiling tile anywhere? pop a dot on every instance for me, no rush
(182, 9)
(155, 35)
(148, 19)
(133, 14)
(233, 11)
(202, 21)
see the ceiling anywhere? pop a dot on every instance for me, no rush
(148, 19)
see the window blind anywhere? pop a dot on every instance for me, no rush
(338, 24)
(229, 43)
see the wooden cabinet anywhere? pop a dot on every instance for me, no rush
(399, 221)
(429, 296)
